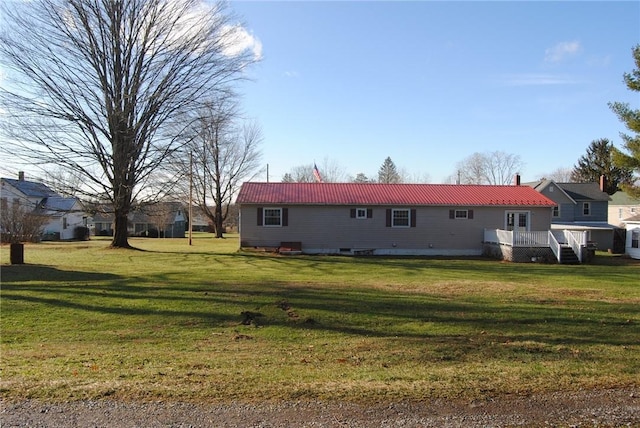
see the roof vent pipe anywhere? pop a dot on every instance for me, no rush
(21, 175)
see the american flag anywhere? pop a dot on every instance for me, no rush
(316, 174)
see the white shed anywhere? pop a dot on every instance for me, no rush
(632, 246)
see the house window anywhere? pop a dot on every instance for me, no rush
(556, 211)
(586, 208)
(462, 214)
(635, 238)
(400, 218)
(64, 222)
(272, 217)
(361, 213)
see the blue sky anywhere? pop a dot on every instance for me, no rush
(430, 83)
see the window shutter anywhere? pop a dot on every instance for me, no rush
(388, 217)
(285, 216)
(353, 213)
(369, 212)
(260, 216)
(452, 214)
(413, 218)
(470, 215)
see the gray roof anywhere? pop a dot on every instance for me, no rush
(584, 191)
(31, 189)
(57, 203)
(622, 198)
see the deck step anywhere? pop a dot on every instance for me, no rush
(568, 256)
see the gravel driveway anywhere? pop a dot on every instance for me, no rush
(603, 408)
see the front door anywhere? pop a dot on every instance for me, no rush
(517, 220)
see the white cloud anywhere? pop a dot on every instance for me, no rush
(562, 51)
(240, 40)
(292, 74)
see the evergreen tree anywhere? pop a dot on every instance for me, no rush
(388, 173)
(599, 162)
(631, 118)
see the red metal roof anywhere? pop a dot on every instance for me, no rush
(389, 194)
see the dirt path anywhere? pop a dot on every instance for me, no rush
(608, 408)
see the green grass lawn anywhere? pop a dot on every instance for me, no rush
(80, 321)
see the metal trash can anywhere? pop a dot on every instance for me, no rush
(17, 254)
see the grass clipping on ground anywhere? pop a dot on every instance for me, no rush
(206, 322)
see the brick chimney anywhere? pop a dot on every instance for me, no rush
(516, 180)
(20, 175)
(603, 183)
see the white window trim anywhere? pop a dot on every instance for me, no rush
(554, 210)
(361, 213)
(588, 206)
(393, 217)
(264, 216)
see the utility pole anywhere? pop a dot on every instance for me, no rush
(190, 197)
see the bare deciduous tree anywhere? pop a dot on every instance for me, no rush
(98, 86)
(330, 170)
(496, 168)
(20, 223)
(225, 152)
(559, 175)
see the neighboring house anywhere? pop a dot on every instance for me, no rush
(381, 219)
(632, 245)
(165, 219)
(63, 214)
(621, 207)
(200, 222)
(582, 207)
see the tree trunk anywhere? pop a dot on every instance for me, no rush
(120, 234)
(219, 220)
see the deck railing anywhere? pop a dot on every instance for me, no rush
(554, 245)
(516, 238)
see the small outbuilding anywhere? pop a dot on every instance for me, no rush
(632, 246)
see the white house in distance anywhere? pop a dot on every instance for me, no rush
(621, 207)
(64, 214)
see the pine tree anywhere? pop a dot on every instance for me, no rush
(631, 118)
(599, 162)
(388, 173)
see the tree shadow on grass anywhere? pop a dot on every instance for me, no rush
(12, 274)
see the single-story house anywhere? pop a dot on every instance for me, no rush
(62, 215)
(165, 219)
(632, 246)
(386, 219)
